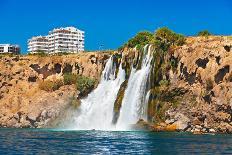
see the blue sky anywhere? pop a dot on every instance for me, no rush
(111, 22)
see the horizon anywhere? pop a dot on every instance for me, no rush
(110, 24)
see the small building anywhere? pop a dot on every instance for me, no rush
(9, 48)
(38, 44)
(68, 40)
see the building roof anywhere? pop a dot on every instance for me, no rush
(39, 38)
(9, 45)
(66, 29)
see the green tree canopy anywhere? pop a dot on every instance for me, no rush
(141, 39)
(165, 37)
(205, 33)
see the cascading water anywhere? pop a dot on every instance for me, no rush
(96, 111)
(134, 103)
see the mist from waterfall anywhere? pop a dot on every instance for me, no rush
(134, 103)
(96, 111)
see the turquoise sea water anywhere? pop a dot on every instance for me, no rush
(43, 141)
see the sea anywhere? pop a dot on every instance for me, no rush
(57, 141)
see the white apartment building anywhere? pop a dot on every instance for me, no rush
(9, 48)
(69, 39)
(38, 44)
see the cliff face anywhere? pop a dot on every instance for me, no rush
(192, 87)
(205, 73)
(23, 103)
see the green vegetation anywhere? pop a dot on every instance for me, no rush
(70, 78)
(84, 84)
(204, 33)
(141, 39)
(163, 39)
(43, 54)
(2, 55)
(50, 86)
(164, 82)
(63, 53)
(162, 99)
(39, 53)
(118, 101)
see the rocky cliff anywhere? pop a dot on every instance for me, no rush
(23, 103)
(191, 86)
(204, 79)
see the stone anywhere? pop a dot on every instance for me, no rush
(182, 122)
(212, 130)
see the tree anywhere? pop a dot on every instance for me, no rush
(204, 33)
(141, 39)
(165, 37)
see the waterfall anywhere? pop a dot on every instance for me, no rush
(96, 111)
(134, 103)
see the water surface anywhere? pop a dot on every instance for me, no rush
(44, 141)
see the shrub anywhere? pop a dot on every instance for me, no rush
(70, 78)
(141, 39)
(164, 82)
(49, 85)
(84, 84)
(204, 33)
(165, 37)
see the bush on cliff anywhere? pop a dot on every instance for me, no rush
(70, 78)
(164, 38)
(141, 39)
(84, 84)
(49, 85)
(204, 33)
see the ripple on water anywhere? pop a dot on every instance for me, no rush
(34, 141)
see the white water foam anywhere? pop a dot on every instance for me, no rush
(96, 111)
(134, 106)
